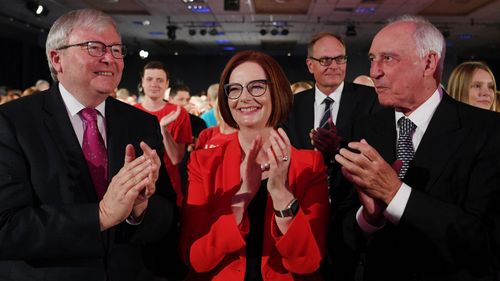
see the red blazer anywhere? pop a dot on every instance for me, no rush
(213, 245)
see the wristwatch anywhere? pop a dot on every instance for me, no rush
(290, 211)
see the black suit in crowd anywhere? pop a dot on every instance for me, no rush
(450, 227)
(49, 223)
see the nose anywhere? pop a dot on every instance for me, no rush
(375, 69)
(107, 57)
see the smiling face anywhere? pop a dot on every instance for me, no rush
(90, 79)
(249, 111)
(481, 89)
(328, 78)
(154, 82)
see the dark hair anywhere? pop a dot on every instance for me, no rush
(316, 37)
(279, 88)
(175, 89)
(155, 65)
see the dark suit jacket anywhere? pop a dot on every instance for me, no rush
(49, 226)
(357, 100)
(447, 231)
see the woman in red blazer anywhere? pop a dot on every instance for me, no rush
(256, 208)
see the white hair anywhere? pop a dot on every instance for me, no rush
(427, 38)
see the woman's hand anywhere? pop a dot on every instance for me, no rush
(251, 174)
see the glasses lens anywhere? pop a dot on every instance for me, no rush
(341, 59)
(325, 61)
(118, 51)
(233, 91)
(96, 49)
(257, 88)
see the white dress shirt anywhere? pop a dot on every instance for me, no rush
(319, 107)
(73, 107)
(420, 117)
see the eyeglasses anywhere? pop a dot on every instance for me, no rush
(98, 49)
(256, 88)
(326, 61)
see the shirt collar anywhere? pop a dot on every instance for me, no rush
(74, 106)
(423, 114)
(319, 96)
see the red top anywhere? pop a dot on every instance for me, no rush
(213, 245)
(211, 137)
(180, 129)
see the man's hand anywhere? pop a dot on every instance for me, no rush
(169, 118)
(326, 140)
(129, 188)
(369, 171)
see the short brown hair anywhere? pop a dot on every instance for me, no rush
(461, 78)
(316, 37)
(281, 94)
(155, 65)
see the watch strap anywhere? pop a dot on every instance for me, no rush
(290, 211)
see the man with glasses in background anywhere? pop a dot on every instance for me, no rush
(322, 117)
(81, 182)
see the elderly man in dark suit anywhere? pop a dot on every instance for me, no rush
(82, 186)
(425, 169)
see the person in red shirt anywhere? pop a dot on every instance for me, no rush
(174, 120)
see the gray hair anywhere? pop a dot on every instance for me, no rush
(427, 38)
(61, 29)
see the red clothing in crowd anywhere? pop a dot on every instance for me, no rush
(180, 129)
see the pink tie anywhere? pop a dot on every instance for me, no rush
(95, 151)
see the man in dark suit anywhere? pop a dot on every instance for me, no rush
(69, 211)
(326, 60)
(432, 215)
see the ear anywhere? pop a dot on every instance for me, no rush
(55, 60)
(310, 66)
(431, 64)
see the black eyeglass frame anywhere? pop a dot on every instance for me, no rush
(264, 81)
(326, 61)
(102, 49)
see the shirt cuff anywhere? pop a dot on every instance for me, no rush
(396, 207)
(132, 220)
(365, 226)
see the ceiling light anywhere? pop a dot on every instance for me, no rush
(274, 32)
(37, 9)
(263, 32)
(143, 54)
(192, 31)
(350, 30)
(284, 31)
(203, 32)
(171, 29)
(213, 32)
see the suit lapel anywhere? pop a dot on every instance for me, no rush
(346, 110)
(116, 141)
(439, 143)
(62, 133)
(381, 134)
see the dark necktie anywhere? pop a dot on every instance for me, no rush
(327, 114)
(405, 149)
(94, 151)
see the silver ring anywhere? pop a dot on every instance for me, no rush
(285, 158)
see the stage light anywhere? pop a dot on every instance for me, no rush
(350, 30)
(171, 29)
(274, 32)
(143, 54)
(263, 32)
(192, 31)
(284, 31)
(213, 32)
(203, 32)
(37, 9)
